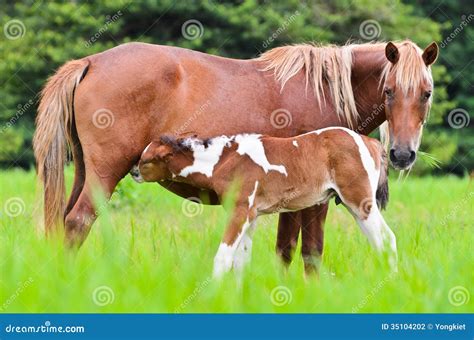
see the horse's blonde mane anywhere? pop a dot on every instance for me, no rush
(320, 63)
(333, 64)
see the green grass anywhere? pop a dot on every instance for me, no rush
(154, 258)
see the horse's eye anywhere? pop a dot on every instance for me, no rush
(427, 95)
(388, 93)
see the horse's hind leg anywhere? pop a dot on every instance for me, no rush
(312, 236)
(102, 176)
(79, 174)
(289, 224)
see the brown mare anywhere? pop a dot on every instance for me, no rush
(107, 107)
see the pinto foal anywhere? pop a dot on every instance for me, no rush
(275, 175)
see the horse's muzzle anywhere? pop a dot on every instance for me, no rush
(402, 158)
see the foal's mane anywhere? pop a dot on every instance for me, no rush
(332, 65)
(183, 144)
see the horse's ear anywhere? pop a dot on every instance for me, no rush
(430, 54)
(391, 52)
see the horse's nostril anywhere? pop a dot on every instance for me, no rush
(402, 157)
(392, 155)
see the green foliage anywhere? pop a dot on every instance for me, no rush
(456, 20)
(53, 32)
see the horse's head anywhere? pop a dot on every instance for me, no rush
(408, 87)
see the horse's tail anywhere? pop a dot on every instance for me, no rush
(381, 195)
(54, 135)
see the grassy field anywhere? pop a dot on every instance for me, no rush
(149, 252)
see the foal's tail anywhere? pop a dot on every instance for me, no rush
(381, 195)
(54, 135)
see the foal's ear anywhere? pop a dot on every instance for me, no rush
(163, 152)
(391, 52)
(430, 54)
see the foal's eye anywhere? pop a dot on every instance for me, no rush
(388, 93)
(427, 95)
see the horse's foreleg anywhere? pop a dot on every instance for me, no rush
(312, 236)
(288, 230)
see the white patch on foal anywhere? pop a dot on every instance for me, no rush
(235, 255)
(380, 235)
(223, 260)
(252, 195)
(367, 161)
(295, 143)
(243, 253)
(147, 147)
(205, 159)
(251, 145)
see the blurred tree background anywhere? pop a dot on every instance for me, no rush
(39, 36)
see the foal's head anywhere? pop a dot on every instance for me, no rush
(153, 166)
(408, 87)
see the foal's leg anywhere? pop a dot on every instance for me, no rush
(312, 236)
(378, 232)
(242, 220)
(243, 253)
